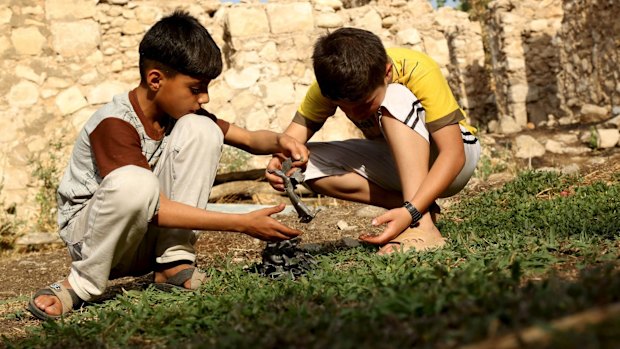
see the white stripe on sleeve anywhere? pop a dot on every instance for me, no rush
(406, 107)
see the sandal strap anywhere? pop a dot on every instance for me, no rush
(195, 276)
(68, 298)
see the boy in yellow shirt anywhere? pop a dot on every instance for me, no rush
(418, 146)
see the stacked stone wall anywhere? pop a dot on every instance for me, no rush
(525, 60)
(590, 57)
(553, 61)
(63, 59)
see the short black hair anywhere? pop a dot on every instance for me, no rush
(349, 64)
(178, 43)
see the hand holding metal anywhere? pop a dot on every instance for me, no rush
(290, 182)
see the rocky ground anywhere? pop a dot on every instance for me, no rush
(22, 273)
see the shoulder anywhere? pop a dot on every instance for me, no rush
(119, 108)
(400, 54)
(411, 65)
(315, 106)
(314, 91)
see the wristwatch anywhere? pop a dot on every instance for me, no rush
(415, 214)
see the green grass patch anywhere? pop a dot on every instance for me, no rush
(539, 248)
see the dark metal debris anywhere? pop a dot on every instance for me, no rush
(284, 259)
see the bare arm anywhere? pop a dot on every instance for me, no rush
(447, 166)
(421, 185)
(257, 224)
(265, 142)
(300, 132)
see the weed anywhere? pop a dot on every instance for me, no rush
(492, 160)
(594, 138)
(505, 268)
(233, 159)
(8, 226)
(47, 172)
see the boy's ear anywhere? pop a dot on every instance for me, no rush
(388, 72)
(154, 78)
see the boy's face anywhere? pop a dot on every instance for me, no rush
(361, 110)
(181, 94)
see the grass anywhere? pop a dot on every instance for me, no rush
(539, 248)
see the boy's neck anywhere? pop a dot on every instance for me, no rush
(154, 116)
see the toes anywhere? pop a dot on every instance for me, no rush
(389, 248)
(49, 304)
(44, 301)
(53, 309)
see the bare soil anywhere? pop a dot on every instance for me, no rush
(21, 274)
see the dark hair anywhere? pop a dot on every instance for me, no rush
(178, 43)
(349, 64)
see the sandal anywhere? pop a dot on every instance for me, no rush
(178, 280)
(68, 299)
(418, 240)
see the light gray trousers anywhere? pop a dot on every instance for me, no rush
(112, 236)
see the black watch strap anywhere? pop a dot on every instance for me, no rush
(415, 214)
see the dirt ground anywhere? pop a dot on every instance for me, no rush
(21, 274)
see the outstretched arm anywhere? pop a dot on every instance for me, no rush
(265, 142)
(258, 224)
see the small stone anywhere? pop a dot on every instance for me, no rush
(27, 264)
(38, 239)
(343, 225)
(528, 147)
(593, 113)
(608, 138)
(508, 125)
(570, 169)
(370, 211)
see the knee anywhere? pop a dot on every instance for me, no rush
(200, 130)
(135, 188)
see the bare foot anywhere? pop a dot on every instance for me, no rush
(419, 239)
(51, 305)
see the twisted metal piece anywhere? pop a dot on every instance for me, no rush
(290, 182)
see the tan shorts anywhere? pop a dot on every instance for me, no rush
(372, 159)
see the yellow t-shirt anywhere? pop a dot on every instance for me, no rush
(413, 69)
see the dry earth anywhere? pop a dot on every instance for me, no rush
(23, 273)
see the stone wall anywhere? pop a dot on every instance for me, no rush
(525, 60)
(62, 59)
(590, 56)
(553, 61)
